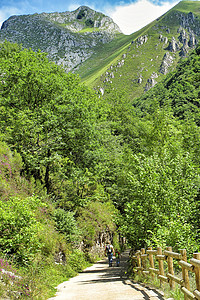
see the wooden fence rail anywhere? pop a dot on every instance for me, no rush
(144, 263)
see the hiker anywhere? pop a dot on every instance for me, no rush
(117, 255)
(109, 251)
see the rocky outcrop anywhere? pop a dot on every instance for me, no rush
(108, 76)
(142, 39)
(69, 38)
(187, 39)
(189, 22)
(192, 40)
(166, 63)
(163, 39)
(151, 81)
(173, 45)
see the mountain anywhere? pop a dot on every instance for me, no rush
(69, 38)
(146, 56)
(91, 44)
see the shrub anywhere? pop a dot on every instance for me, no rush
(96, 217)
(177, 234)
(66, 224)
(19, 228)
(89, 23)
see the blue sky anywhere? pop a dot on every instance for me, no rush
(130, 15)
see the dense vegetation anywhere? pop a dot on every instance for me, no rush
(73, 164)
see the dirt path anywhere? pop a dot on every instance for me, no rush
(100, 282)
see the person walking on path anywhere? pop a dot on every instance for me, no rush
(109, 251)
(117, 256)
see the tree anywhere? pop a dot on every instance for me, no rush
(160, 189)
(45, 113)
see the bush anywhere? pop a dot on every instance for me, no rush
(94, 218)
(177, 234)
(66, 224)
(19, 228)
(89, 23)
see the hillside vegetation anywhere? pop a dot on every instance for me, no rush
(74, 165)
(52, 154)
(135, 63)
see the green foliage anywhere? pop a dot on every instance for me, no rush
(11, 181)
(77, 260)
(89, 23)
(95, 157)
(19, 228)
(96, 217)
(38, 280)
(46, 114)
(180, 89)
(66, 224)
(178, 234)
(160, 189)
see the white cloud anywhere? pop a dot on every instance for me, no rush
(6, 12)
(133, 17)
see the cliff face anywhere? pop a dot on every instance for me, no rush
(69, 38)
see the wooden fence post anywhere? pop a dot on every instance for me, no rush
(197, 271)
(138, 261)
(143, 263)
(170, 268)
(151, 262)
(185, 274)
(160, 263)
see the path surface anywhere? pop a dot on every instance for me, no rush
(100, 282)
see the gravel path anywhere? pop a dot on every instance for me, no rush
(101, 282)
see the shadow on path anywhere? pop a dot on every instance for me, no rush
(103, 282)
(106, 274)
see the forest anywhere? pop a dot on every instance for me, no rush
(74, 164)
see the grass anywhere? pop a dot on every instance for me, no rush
(106, 55)
(176, 293)
(40, 279)
(88, 29)
(147, 57)
(154, 282)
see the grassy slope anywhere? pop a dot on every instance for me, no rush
(106, 55)
(140, 61)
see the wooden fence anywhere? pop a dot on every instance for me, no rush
(144, 263)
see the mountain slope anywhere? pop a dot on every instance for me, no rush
(91, 44)
(147, 55)
(180, 90)
(69, 38)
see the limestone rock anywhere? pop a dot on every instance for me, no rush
(163, 39)
(151, 81)
(192, 40)
(173, 45)
(101, 90)
(142, 39)
(166, 63)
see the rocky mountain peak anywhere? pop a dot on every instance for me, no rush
(83, 18)
(69, 38)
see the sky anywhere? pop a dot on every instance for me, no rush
(129, 15)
